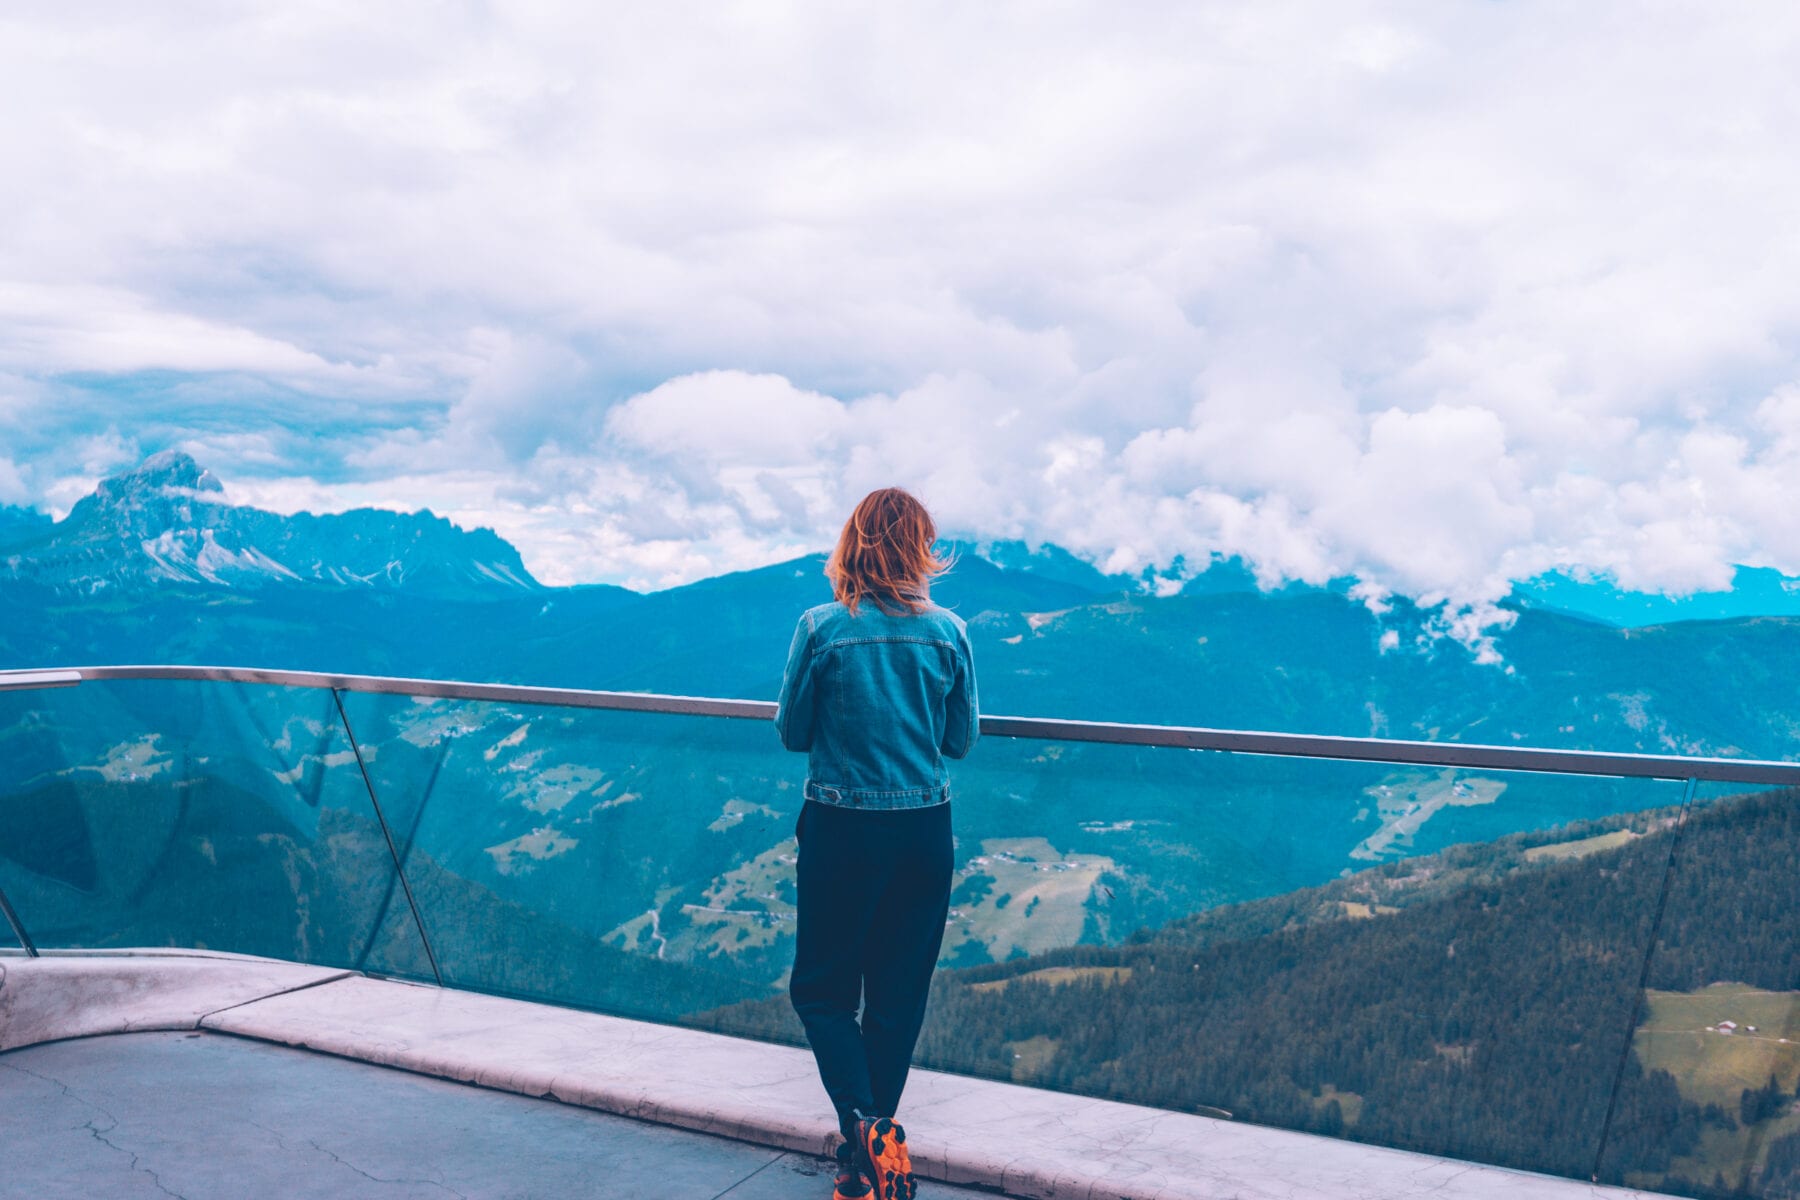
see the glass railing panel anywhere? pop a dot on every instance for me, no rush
(1709, 1104)
(9, 941)
(642, 864)
(1441, 960)
(1445, 961)
(635, 863)
(199, 815)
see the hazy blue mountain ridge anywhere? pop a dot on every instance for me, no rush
(16, 522)
(1754, 592)
(383, 593)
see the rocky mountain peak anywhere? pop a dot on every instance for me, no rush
(164, 470)
(167, 521)
(159, 494)
(170, 475)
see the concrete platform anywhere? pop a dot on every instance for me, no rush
(1027, 1142)
(210, 1117)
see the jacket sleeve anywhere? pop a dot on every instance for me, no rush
(962, 717)
(794, 713)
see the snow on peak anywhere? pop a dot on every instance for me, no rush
(164, 471)
(167, 519)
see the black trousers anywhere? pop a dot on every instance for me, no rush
(874, 890)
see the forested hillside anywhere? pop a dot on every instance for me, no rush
(1474, 1003)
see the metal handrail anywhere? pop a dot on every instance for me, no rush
(1186, 737)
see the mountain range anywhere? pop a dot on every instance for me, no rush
(167, 522)
(1159, 834)
(155, 566)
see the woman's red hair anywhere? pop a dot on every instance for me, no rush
(885, 553)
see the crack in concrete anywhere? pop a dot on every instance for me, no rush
(98, 1134)
(346, 1163)
(752, 1175)
(436, 1183)
(1446, 1182)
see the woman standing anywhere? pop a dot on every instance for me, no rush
(879, 690)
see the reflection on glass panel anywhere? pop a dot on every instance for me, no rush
(636, 863)
(201, 815)
(1710, 1103)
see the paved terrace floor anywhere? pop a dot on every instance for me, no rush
(213, 1117)
(159, 1073)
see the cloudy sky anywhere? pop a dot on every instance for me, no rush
(1443, 294)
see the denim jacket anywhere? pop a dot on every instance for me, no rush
(878, 701)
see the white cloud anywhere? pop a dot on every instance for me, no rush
(730, 418)
(13, 489)
(105, 453)
(54, 328)
(1437, 295)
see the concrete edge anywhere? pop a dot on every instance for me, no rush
(53, 998)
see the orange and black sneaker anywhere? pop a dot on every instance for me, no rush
(880, 1147)
(849, 1185)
